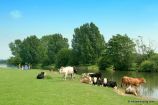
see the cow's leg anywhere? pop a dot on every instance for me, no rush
(126, 84)
(73, 76)
(137, 90)
(65, 76)
(121, 84)
(135, 93)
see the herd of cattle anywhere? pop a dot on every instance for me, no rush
(131, 84)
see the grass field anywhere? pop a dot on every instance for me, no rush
(22, 88)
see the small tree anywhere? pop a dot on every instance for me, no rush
(143, 51)
(55, 44)
(154, 59)
(30, 50)
(120, 50)
(63, 57)
(104, 62)
(147, 66)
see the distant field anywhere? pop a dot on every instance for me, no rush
(19, 87)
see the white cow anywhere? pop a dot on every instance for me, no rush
(131, 90)
(67, 71)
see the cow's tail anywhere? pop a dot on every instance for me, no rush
(121, 82)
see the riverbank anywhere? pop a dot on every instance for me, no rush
(22, 88)
(121, 92)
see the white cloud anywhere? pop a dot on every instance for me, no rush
(16, 14)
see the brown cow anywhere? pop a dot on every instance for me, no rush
(132, 81)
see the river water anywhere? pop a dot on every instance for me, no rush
(3, 66)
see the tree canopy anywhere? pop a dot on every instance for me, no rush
(88, 43)
(34, 50)
(88, 47)
(121, 49)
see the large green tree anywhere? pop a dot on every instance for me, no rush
(56, 42)
(37, 51)
(87, 43)
(30, 49)
(15, 48)
(120, 50)
(63, 57)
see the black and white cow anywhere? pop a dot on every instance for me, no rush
(98, 75)
(41, 75)
(108, 83)
(112, 84)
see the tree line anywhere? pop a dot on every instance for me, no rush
(88, 47)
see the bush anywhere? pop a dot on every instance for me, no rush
(86, 68)
(147, 66)
(48, 77)
(104, 63)
(110, 68)
(82, 69)
(49, 67)
(93, 68)
(63, 57)
(133, 67)
(154, 58)
(37, 66)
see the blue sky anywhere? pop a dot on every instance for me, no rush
(22, 18)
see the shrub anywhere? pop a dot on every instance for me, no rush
(154, 58)
(49, 67)
(93, 68)
(48, 77)
(133, 67)
(147, 66)
(110, 68)
(63, 57)
(37, 66)
(104, 63)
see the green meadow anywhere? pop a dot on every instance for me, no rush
(19, 87)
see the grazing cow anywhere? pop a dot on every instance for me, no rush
(112, 84)
(41, 75)
(67, 71)
(131, 90)
(98, 75)
(86, 79)
(132, 81)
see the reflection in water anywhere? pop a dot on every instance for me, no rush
(150, 89)
(3, 65)
(7, 66)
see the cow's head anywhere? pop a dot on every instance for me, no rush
(143, 80)
(75, 69)
(43, 73)
(60, 70)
